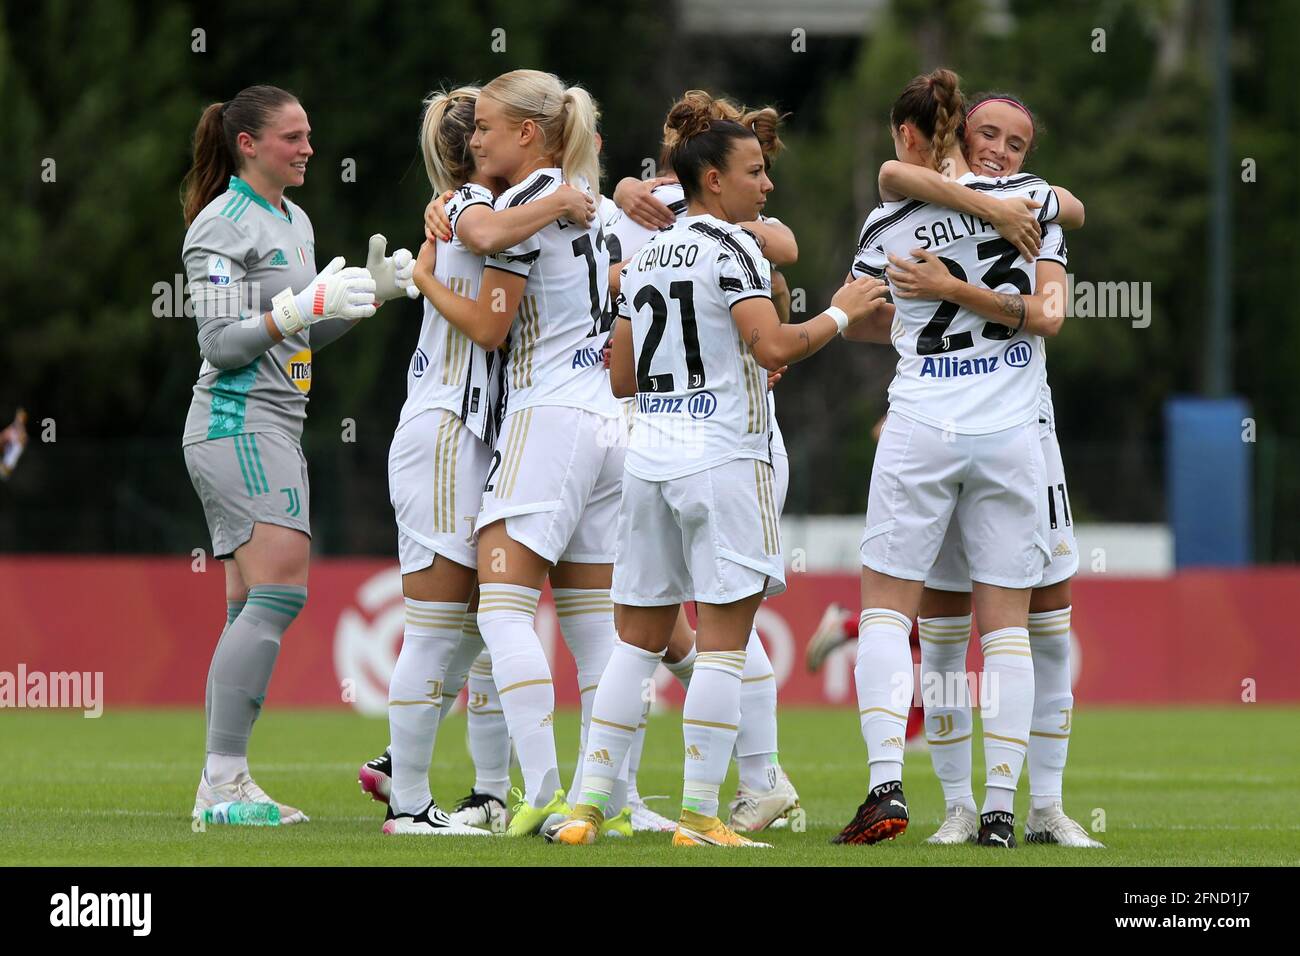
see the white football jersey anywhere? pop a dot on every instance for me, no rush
(447, 369)
(565, 315)
(701, 395)
(955, 370)
(624, 237)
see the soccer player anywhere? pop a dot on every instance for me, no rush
(437, 465)
(1000, 133)
(697, 520)
(262, 310)
(960, 445)
(765, 796)
(549, 295)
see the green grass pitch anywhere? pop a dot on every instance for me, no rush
(1176, 787)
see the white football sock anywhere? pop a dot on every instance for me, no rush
(489, 738)
(523, 679)
(710, 718)
(757, 762)
(682, 669)
(618, 707)
(945, 692)
(587, 625)
(1049, 737)
(883, 675)
(433, 630)
(470, 647)
(1006, 712)
(224, 768)
(634, 763)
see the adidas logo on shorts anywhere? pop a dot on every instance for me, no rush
(1061, 550)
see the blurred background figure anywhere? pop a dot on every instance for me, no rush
(13, 440)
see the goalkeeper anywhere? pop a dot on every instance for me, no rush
(262, 311)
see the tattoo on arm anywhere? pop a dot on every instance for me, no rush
(1011, 305)
(807, 345)
(753, 338)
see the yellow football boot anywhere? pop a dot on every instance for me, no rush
(694, 829)
(527, 819)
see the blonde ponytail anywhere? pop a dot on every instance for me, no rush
(581, 158)
(445, 132)
(565, 118)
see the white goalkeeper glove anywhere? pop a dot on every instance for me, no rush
(392, 273)
(336, 293)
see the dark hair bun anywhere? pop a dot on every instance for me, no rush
(689, 117)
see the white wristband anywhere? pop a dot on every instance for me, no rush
(840, 316)
(285, 314)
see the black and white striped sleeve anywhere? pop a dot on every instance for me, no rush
(471, 194)
(742, 271)
(1053, 248)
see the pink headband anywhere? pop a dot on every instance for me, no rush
(999, 99)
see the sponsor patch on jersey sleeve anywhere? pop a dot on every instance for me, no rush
(219, 270)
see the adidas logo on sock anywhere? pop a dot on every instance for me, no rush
(896, 742)
(601, 756)
(693, 753)
(548, 720)
(1001, 770)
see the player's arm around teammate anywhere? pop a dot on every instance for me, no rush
(1000, 133)
(487, 318)
(551, 477)
(697, 519)
(1039, 313)
(944, 397)
(249, 256)
(487, 231)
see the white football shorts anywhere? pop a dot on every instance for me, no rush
(555, 478)
(781, 470)
(713, 536)
(991, 487)
(951, 571)
(436, 468)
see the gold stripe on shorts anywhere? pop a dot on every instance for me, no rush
(444, 511)
(510, 473)
(773, 514)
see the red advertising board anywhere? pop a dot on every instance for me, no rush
(149, 624)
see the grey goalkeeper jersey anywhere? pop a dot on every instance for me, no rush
(239, 253)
